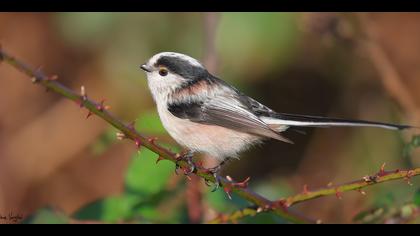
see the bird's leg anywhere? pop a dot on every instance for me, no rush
(188, 157)
(215, 172)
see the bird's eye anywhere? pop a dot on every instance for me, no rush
(163, 72)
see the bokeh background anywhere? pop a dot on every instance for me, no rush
(58, 166)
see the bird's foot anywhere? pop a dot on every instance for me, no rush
(187, 157)
(217, 178)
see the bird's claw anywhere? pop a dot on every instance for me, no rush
(188, 158)
(217, 183)
(215, 172)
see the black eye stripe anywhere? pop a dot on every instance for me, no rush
(181, 67)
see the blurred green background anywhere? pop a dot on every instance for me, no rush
(58, 167)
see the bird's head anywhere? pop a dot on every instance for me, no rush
(168, 71)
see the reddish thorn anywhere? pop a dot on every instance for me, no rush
(53, 77)
(101, 106)
(361, 191)
(382, 170)
(152, 140)
(159, 159)
(243, 184)
(305, 189)
(410, 174)
(267, 207)
(138, 142)
(282, 203)
(83, 91)
(338, 194)
(397, 171)
(121, 136)
(188, 177)
(89, 114)
(83, 96)
(132, 125)
(35, 79)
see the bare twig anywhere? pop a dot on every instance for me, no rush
(210, 26)
(128, 131)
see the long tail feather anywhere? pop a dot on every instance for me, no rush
(319, 121)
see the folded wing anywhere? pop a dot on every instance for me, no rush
(225, 111)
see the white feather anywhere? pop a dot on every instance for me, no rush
(275, 121)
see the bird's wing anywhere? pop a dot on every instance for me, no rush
(226, 111)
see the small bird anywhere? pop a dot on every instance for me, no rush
(207, 115)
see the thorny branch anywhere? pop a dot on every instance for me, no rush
(128, 131)
(337, 190)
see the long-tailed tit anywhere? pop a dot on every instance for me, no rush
(205, 114)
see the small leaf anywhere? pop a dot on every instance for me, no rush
(416, 199)
(144, 177)
(111, 209)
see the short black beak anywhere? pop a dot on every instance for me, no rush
(145, 68)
